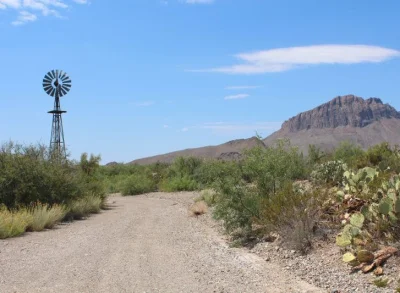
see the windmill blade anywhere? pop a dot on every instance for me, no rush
(48, 76)
(67, 85)
(51, 73)
(63, 75)
(53, 92)
(60, 72)
(64, 90)
(46, 79)
(66, 78)
(47, 88)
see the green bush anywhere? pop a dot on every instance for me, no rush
(137, 184)
(209, 196)
(294, 214)
(352, 155)
(28, 175)
(330, 172)
(177, 183)
(384, 156)
(270, 167)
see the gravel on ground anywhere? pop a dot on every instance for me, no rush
(147, 243)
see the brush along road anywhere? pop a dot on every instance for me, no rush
(146, 243)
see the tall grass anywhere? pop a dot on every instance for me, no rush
(83, 207)
(13, 223)
(43, 216)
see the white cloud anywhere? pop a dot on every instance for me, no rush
(199, 1)
(235, 97)
(24, 17)
(185, 129)
(165, 126)
(283, 59)
(243, 87)
(26, 8)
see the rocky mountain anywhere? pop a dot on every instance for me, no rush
(365, 122)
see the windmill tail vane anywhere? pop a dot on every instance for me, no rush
(57, 84)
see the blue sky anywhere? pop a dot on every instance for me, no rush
(151, 76)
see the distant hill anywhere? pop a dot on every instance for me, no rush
(365, 122)
(345, 118)
(227, 151)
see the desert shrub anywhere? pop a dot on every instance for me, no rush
(179, 183)
(29, 175)
(293, 214)
(83, 207)
(352, 155)
(208, 196)
(384, 156)
(270, 167)
(12, 223)
(137, 184)
(43, 216)
(184, 166)
(330, 172)
(315, 155)
(236, 204)
(210, 170)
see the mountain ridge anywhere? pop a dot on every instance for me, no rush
(364, 122)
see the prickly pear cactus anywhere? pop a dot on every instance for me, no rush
(357, 220)
(384, 207)
(348, 257)
(365, 256)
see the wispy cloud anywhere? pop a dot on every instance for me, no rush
(236, 97)
(165, 126)
(199, 1)
(242, 87)
(27, 9)
(283, 59)
(24, 17)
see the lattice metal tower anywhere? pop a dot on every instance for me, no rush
(57, 83)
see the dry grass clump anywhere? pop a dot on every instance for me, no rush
(12, 223)
(90, 204)
(37, 218)
(198, 208)
(43, 216)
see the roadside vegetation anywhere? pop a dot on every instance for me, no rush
(349, 194)
(37, 191)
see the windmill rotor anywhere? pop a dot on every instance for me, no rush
(56, 83)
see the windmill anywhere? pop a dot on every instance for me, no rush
(56, 83)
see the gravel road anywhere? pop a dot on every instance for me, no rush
(147, 243)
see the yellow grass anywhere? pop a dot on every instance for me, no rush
(199, 208)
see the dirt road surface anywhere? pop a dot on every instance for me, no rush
(144, 244)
